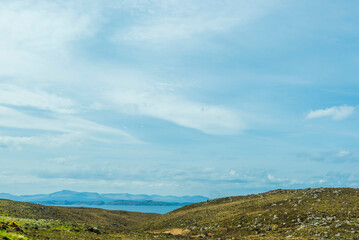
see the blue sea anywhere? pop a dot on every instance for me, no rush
(144, 209)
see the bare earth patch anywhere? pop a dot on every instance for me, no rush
(178, 232)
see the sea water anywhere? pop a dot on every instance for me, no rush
(144, 209)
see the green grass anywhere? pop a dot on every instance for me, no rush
(42, 229)
(12, 236)
(281, 214)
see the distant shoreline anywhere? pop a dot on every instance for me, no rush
(129, 208)
(113, 203)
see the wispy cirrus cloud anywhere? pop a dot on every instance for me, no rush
(167, 21)
(335, 113)
(11, 118)
(184, 112)
(143, 96)
(17, 96)
(41, 35)
(44, 26)
(54, 140)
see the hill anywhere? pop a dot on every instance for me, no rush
(92, 198)
(74, 214)
(289, 214)
(325, 213)
(50, 222)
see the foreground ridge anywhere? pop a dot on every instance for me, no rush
(322, 213)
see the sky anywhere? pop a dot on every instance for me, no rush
(178, 97)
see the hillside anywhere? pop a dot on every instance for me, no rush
(290, 214)
(76, 214)
(281, 214)
(43, 222)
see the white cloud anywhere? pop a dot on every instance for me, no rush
(336, 112)
(273, 179)
(45, 25)
(329, 156)
(13, 95)
(16, 143)
(169, 29)
(343, 153)
(62, 160)
(164, 21)
(11, 118)
(171, 107)
(36, 36)
(153, 178)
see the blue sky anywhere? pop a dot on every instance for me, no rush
(178, 97)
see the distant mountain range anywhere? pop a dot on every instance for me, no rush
(67, 197)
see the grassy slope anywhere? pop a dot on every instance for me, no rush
(308, 213)
(43, 222)
(280, 214)
(77, 214)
